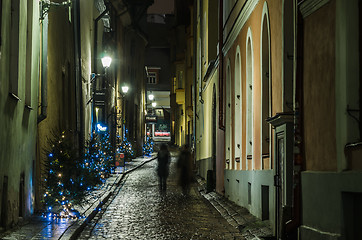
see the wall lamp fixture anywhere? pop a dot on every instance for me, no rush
(106, 62)
(125, 89)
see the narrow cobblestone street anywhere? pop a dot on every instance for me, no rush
(139, 211)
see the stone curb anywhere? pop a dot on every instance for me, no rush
(236, 216)
(77, 227)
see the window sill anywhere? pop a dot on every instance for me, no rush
(15, 97)
(28, 107)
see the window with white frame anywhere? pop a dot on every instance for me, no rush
(265, 83)
(228, 117)
(238, 101)
(249, 98)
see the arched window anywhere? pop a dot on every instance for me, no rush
(249, 100)
(265, 88)
(238, 105)
(228, 133)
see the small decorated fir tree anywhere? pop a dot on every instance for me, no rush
(148, 146)
(67, 178)
(126, 148)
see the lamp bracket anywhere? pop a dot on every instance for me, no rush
(93, 76)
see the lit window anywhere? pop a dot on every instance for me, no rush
(151, 78)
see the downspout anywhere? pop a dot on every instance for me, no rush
(194, 93)
(44, 70)
(292, 226)
(78, 76)
(221, 67)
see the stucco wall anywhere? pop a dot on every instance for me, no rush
(322, 201)
(319, 89)
(236, 190)
(87, 52)
(18, 138)
(254, 24)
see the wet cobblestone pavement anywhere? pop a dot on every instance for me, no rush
(136, 210)
(139, 211)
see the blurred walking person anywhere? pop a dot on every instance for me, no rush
(163, 158)
(184, 164)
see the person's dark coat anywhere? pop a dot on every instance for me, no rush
(163, 163)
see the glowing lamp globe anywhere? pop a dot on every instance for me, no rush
(106, 61)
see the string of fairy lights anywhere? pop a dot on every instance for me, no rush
(69, 178)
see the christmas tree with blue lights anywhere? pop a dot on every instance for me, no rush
(148, 146)
(126, 147)
(93, 160)
(106, 153)
(68, 177)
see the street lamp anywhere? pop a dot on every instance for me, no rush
(125, 89)
(106, 61)
(98, 100)
(151, 97)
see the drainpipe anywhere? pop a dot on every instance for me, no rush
(78, 76)
(292, 226)
(44, 70)
(221, 67)
(194, 76)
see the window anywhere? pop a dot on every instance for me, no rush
(29, 54)
(228, 133)
(1, 14)
(265, 83)
(238, 105)
(151, 78)
(249, 98)
(180, 80)
(14, 48)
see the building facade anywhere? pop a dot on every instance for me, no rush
(330, 78)
(53, 80)
(19, 64)
(244, 82)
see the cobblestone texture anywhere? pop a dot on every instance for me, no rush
(139, 211)
(136, 210)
